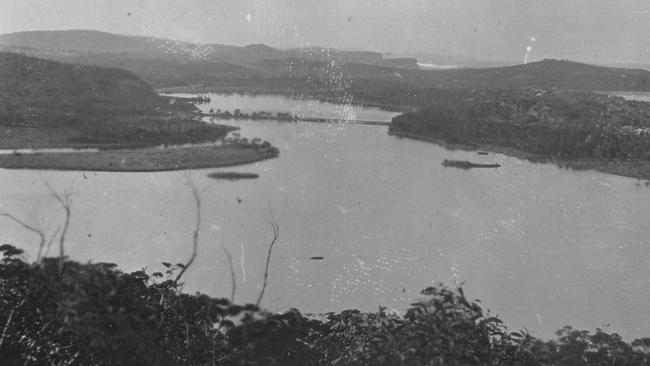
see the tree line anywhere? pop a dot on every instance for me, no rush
(566, 125)
(95, 314)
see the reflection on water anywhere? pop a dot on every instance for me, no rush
(541, 246)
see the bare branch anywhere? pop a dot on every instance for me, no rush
(51, 241)
(197, 229)
(65, 200)
(272, 215)
(276, 234)
(36, 229)
(232, 274)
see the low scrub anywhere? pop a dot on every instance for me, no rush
(94, 314)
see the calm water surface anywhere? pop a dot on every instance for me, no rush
(303, 108)
(540, 246)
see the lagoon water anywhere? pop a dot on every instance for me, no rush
(540, 246)
(302, 108)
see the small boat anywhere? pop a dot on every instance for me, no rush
(316, 258)
(232, 175)
(482, 152)
(464, 164)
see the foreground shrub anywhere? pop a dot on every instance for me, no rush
(94, 314)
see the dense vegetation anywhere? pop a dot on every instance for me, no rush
(32, 85)
(556, 124)
(94, 314)
(238, 114)
(46, 103)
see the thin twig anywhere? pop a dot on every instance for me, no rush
(197, 229)
(232, 274)
(65, 201)
(51, 241)
(275, 225)
(35, 229)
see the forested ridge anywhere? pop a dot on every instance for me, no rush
(47, 103)
(554, 123)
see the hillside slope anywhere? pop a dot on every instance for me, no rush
(544, 74)
(32, 83)
(45, 103)
(581, 130)
(76, 43)
(321, 72)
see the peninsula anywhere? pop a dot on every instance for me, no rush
(48, 104)
(581, 130)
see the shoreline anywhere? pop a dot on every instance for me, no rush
(13, 138)
(638, 169)
(142, 160)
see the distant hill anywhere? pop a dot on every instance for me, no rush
(166, 63)
(78, 42)
(314, 70)
(45, 103)
(165, 72)
(75, 43)
(37, 84)
(546, 74)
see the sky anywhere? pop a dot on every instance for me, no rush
(597, 31)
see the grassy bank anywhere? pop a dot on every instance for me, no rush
(142, 160)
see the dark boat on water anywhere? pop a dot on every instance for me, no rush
(464, 164)
(232, 175)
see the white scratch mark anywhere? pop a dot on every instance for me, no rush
(241, 263)
(529, 49)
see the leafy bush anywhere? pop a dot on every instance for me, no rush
(94, 314)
